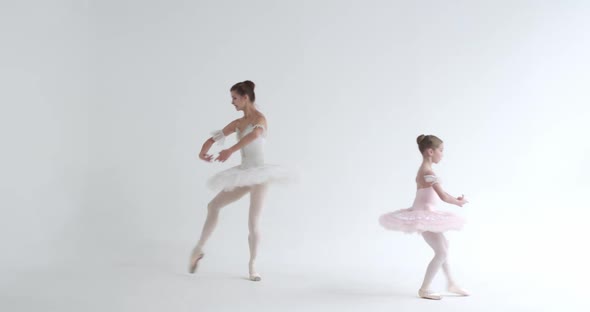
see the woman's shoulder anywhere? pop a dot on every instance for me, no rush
(260, 116)
(260, 119)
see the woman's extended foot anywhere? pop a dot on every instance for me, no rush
(196, 256)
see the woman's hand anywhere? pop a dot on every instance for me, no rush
(206, 157)
(224, 155)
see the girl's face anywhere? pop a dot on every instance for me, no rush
(436, 153)
(239, 101)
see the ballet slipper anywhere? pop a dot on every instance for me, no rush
(457, 290)
(428, 294)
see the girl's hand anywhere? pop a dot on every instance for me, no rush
(462, 201)
(224, 155)
(206, 157)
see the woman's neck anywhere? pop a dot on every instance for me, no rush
(249, 111)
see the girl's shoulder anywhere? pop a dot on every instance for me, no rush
(426, 176)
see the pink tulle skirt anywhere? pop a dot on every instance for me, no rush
(410, 221)
(421, 217)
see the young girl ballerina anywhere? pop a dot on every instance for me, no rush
(252, 176)
(422, 218)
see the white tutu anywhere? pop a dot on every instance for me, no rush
(237, 176)
(252, 170)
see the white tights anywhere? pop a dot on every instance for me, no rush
(440, 245)
(224, 198)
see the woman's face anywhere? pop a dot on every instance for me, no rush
(239, 101)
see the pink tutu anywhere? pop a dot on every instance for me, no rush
(422, 217)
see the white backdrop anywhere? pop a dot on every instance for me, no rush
(44, 116)
(108, 108)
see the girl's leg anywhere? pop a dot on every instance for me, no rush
(451, 284)
(445, 265)
(437, 242)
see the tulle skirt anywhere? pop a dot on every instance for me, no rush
(239, 176)
(421, 220)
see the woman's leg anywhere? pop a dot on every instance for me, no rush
(222, 199)
(257, 197)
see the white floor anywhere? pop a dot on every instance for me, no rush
(155, 283)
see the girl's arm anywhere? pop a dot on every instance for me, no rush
(444, 196)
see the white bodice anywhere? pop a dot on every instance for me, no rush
(253, 153)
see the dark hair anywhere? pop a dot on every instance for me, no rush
(245, 88)
(428, 141)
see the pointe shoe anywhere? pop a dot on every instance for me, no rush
(457, 290)
(255, 277)
(428, 294)
(194, 261)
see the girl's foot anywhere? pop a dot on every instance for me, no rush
(457, 290)
(428, 294)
